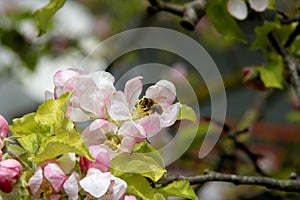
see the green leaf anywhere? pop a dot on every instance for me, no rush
(137, 185)
(47, 133)
(262, 32)
(23, 192)
(180, 188)
(61, 142)
(51, 112)
(44, 14)
(223, 21)
(138, 163)
(271, 74)
(24, 126)
(187, 113)
(30, 143)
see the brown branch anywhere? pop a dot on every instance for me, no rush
(191, 12)
(271, 183)
(293, 36)
(289, 63)
(252, 114)
(290, 20)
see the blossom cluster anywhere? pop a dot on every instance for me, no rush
(118, 120)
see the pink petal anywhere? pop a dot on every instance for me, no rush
(103, 79)
(71, 186)
(119, 187)
(163, 92)
(95, 132)
(102, 158)
(130, 197)
(151, 124)
(76, 114)
(100, 153)
(95, 182)
(237, 8)
(55, 176)
(259, 5)
(3, 127)
(55, 197)
(133, 89)
(169, 117)
(118, 107)
(35, 181)
(132, 129)
(128, 144)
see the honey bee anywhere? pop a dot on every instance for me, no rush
(149, 106)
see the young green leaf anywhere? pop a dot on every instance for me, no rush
(224, 23)
(61, 142)
(271, 74)
(43, 15)
(138, 163)
(187, 113)
(51, 112)
(24, 126)
(262, 32)
(137, 185)
(180, 188)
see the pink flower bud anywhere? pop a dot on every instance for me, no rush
(10, 172)
(3, 127)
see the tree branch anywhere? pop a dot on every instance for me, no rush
(271, 183)
(289, 63)
(191, 12)
(290, 20)
(293, 36)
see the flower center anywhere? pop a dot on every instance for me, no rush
(46, 188)
(113, 142)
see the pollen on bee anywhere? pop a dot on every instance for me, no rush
(148, 106)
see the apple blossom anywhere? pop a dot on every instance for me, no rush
(239, 10)
(99, 184)
(10, 172)
(47, 179)
(102, 155)
(91, 92)
(157, 102)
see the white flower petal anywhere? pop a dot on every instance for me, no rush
(259, 5)
(132, 129)
(163, 92)
(127, 144)
(133, 89)
(151, 124)
(95, 182)
(95, 132)
(119, 187)
(237, 8)
(35, 181)
(71, 186)
(169, 117)
(118, 107)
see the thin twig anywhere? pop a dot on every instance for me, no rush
(191, 12)
(289, 63)
(252, 114)
(271, 183)
(293, 36)
(290, 20)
